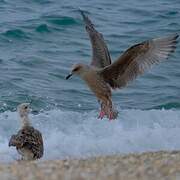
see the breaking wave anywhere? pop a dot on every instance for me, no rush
(80, 135)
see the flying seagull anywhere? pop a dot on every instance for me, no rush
(101, 75)
(28, 140)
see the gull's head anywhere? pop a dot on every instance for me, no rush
(24, 109)
(78, 69)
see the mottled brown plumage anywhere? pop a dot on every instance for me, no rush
(28, 140)
(101, 75)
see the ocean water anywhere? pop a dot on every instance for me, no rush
(40, 41)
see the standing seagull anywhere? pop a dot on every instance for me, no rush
(101, 75)
(28, 141)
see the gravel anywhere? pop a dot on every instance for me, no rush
(146, 166)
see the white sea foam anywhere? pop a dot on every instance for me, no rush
(80, 135)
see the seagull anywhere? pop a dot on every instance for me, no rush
(28, 140)
(102, 75)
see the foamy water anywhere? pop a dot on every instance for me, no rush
(79, 135)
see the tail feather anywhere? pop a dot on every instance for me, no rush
(12, 141)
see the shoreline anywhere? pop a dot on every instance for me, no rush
(149, 165)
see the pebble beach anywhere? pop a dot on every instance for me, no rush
(146, 166)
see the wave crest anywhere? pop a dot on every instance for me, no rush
(61, 20)
(15, 33)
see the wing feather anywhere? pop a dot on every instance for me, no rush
(101, 57)
(137, 59)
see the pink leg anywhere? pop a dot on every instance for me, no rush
(111, 113)
(111, 116)
(107, 110)
(101, 115)
(102, 112)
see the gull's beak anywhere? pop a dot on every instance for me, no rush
(68, 76)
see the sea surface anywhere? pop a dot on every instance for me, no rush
(39, 42)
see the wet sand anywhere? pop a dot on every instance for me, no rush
(152, 165)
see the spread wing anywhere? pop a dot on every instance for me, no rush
(137, 59)
(28, 138)
(101, 56)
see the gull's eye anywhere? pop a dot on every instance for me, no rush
(25, 107)
(76, 69)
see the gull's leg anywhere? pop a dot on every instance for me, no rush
(20, 159)
(111, 113)
(102, 111)
(106, 107)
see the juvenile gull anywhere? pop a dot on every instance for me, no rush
(101, 75)
(28, 141)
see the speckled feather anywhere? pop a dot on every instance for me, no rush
(29, 139)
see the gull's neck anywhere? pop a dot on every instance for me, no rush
(87, 72)
(25, 121)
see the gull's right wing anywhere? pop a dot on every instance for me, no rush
(100, 54)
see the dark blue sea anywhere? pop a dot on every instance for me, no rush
(39, 42)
